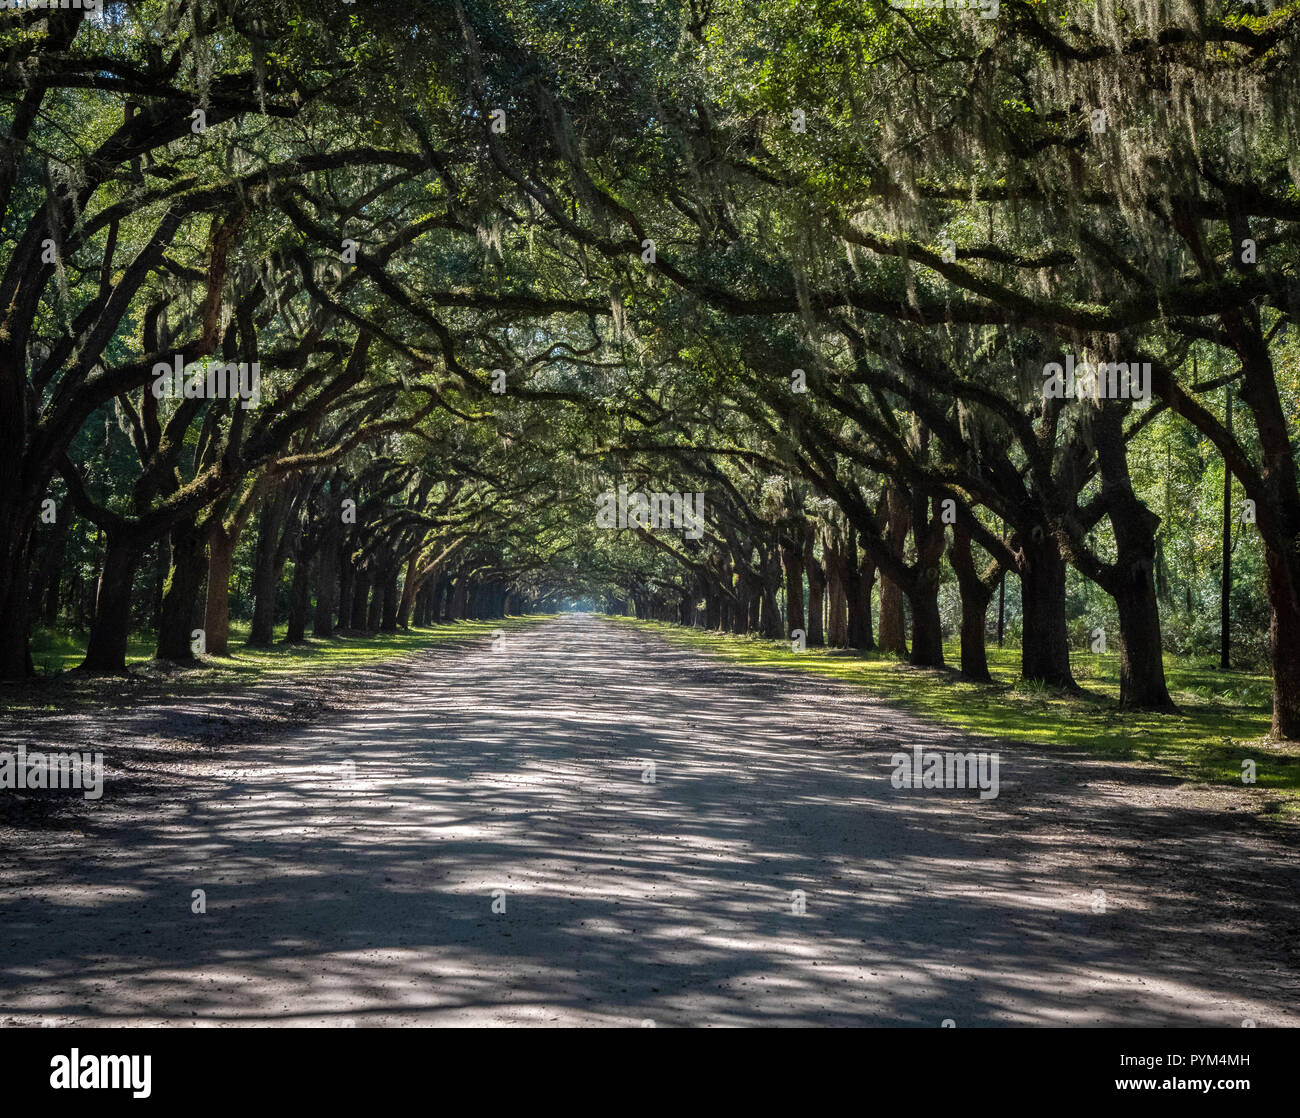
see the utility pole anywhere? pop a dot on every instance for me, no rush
(1002, 595)
(1225, 590)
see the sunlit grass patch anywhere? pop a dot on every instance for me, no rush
(58, 687)
(59, 650)
(1224, 717)
(353, 651)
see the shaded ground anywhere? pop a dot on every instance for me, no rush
(350, 865)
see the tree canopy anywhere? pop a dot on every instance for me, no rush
(358, 315)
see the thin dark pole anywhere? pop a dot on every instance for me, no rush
(1225, 590)
(1002, 598)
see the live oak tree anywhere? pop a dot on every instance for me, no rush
(494, 257)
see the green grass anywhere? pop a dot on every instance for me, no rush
(57, 688)
(1224, 719)
(55, 651)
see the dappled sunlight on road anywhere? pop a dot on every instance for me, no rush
(350, 868)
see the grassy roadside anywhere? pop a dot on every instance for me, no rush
(59, 687)
(1224, 717)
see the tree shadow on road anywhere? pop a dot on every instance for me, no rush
(770, 873)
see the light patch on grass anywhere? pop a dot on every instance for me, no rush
(55, 651)
(58, 687)
(1224, 717)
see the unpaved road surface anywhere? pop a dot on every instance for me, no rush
(350, 868)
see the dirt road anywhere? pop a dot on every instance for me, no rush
(765, 870)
